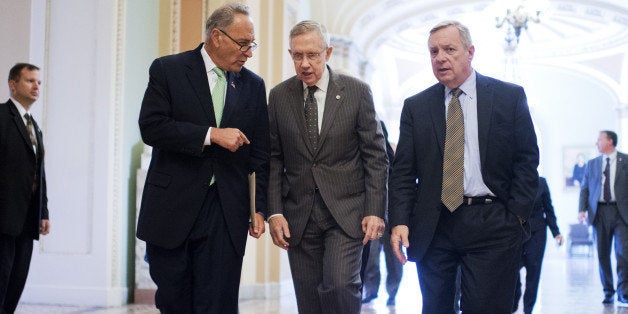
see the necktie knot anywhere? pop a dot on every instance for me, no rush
(219, 72)
(456, 92)
(311, 90)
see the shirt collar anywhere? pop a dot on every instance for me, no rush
(612, 155)
(467, 87)
(19, 107)
(322, 83)
(209, 64)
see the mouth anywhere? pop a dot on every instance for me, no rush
(443, 70)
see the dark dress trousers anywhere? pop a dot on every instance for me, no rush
(541, 218)
(183, 220)
(485, 239)
(609, 221)
(23, 202)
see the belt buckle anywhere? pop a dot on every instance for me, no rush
(487, 200)
(469, 201)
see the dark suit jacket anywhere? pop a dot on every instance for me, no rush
(542, 214)
(18, 168)
(349, 167)
(591, 187)
(176, 113)
(508, 152)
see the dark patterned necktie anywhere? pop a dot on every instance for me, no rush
(607, 180)
(29, 128)
(311, 116)
(453, 157)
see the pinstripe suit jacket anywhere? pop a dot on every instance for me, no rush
(349, 167)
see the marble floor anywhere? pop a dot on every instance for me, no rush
(568, 285)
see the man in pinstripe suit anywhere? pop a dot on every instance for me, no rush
(327, 193)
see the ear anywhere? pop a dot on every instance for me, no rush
(214, 36)
(328, 53)
(12, 85)
(471, 52)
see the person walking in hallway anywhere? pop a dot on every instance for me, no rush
(604, 204)
(23, 195)
(327, 192)
(394, 269)
(541, 218)
(464, 180)
(201, 114)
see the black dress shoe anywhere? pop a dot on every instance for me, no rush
(390, 302)
(369, 298)
(608, 299)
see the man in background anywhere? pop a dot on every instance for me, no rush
(464, 180)
(23, 197)
(327, 193)
(604, 201)
(201, 114)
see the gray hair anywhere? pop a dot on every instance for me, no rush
(311, 26)
(223, 16)
(465, 35)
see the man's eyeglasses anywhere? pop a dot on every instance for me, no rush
(243, 47)
(311, 56)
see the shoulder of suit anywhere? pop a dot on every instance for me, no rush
(481, 79)
(288, 83)
(436, 90)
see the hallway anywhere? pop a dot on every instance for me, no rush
(568, 285)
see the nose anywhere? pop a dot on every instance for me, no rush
(248, 53)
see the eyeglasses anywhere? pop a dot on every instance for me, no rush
(311, 56)
(243, 47)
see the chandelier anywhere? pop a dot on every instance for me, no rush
(516, 15)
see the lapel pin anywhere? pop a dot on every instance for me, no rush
(337, 96)
(232, 84)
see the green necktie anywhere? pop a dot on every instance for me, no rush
(218, 94)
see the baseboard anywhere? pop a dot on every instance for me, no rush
(80, 296)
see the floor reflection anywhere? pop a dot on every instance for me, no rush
(568, 285)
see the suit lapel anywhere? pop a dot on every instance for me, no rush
(484, 109)
(295, 99)
(597, 174)
(437, 110)
(231, 101)
(19, 124)
(334, 100)
(197, 77)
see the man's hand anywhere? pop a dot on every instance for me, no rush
(559, 239)
(279, 231)
(398, 237)
(229, 138)
(373, 228)
(45, 227)
(582, 217)
(260, 227)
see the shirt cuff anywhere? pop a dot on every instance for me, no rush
(208, 137)
(271, 216)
